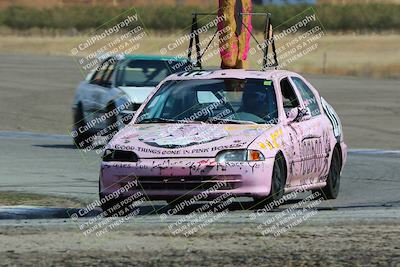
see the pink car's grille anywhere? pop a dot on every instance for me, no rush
(225, 182)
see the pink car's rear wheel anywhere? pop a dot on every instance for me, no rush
(331, 190)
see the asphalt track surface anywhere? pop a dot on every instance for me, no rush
(36, 93)
(51, 165)
(359, 228)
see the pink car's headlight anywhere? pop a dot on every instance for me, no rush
(239, 155)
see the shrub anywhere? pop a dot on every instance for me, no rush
(355, 17)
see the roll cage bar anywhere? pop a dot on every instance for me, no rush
(267, 42)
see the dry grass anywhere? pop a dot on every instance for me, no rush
(356, 55)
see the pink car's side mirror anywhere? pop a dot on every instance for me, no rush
(304, 114)
(298, 114)
(292, 114)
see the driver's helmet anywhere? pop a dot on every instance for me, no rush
(255, 102)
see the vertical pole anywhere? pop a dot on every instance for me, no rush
(266, 42)
(197, 40)
(273, 44)
(191, 38)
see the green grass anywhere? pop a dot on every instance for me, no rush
(351, 17)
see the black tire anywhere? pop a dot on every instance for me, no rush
(331, 190)
(174, 203)
(278, 183)
(112, 122)
(114, 207)
(80, 139)
(171, 202)
(110, 208)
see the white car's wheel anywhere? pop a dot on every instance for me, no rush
(80, 138)
(112, 122)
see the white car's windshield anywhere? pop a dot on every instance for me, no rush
(137, 72)
(212, 101)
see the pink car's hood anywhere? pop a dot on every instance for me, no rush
(184, 139)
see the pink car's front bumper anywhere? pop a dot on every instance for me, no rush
(171, 178)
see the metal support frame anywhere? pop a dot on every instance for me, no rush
(268, 39)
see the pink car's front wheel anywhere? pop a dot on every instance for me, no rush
(278, 181)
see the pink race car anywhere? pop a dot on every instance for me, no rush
(256, 134)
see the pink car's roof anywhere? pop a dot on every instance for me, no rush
(230, 73)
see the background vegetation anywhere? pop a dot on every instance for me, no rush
(352, 17)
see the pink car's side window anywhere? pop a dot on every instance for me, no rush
(309, 99)
(289, 97)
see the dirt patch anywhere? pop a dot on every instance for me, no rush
(344, 244)
(20, 198)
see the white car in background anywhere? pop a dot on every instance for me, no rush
(110, 94)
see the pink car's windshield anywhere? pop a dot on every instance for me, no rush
(212, 101)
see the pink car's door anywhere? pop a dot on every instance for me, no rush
(292, 131)
(314, 144)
